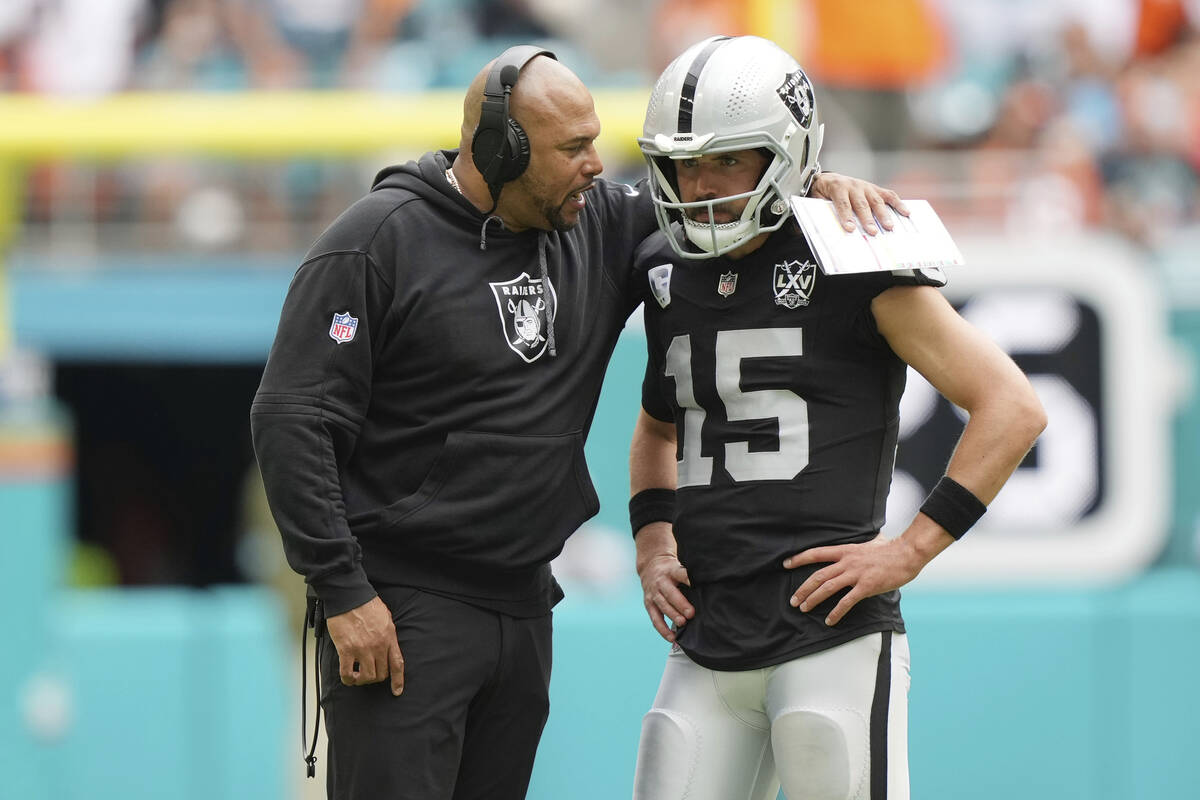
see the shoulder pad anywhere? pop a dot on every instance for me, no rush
(653, 248)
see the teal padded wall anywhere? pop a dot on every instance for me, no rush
(35, 502)
(174, 693)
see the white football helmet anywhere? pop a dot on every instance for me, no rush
(725, 94)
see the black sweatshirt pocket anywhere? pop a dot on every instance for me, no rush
(491, 499)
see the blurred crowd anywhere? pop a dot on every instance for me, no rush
(1075, 113)
(1020, 114)
(85, 47)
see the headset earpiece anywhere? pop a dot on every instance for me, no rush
(520, 148)
(500, 147)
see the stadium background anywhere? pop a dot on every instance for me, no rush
(164, 163)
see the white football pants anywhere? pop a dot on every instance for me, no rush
(828, 726)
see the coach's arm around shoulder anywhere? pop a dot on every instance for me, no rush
(1005, 419)
(652, 475)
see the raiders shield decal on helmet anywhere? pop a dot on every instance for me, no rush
(794, 283)
(797, 94)
(525, 305)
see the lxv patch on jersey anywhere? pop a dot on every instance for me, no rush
(660, 283)
(343, 328)
(794, 283)
(525, 305)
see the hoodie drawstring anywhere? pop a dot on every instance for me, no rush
(550, 312)
(543, 238)
(483, 230)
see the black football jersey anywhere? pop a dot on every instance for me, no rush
(785, 400)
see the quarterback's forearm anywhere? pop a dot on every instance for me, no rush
(996, 439)
(968, 369)
(992, 446)
(652, 455)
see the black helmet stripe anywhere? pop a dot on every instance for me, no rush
(688, 95)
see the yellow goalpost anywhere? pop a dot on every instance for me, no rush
(249, 125)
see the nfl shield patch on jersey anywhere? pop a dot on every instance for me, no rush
(794, 283)
(343, 328)
(727, 284)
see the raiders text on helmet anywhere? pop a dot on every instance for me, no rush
(725, 94)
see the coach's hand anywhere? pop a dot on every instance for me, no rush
(866, 569)
(661, 573)
(854, 197)
(368, 651)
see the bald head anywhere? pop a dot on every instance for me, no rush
(557, 114)
(546, 87)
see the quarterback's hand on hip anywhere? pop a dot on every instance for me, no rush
(368, 651)
(661, 576)
(853, 197)
(866, 569)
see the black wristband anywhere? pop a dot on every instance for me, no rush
(651, 505)
(953, 506)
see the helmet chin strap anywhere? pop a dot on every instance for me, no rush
(714, 237)
(721, 237)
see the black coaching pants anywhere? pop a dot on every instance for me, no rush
(476, 697)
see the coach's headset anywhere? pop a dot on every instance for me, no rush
(500, 148)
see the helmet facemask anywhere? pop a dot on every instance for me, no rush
(749, 95)
(766, 206)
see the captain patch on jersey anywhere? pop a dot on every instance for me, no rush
(524, 306)
(660, 283)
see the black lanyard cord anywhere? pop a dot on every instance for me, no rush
(310, 622)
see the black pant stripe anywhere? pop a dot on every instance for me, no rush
(879, 719)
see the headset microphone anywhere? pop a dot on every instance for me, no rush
(500, 147)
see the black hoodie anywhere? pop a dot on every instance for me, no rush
(413, 426)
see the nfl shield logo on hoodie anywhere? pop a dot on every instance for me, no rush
(525, 305)
(343, 328)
